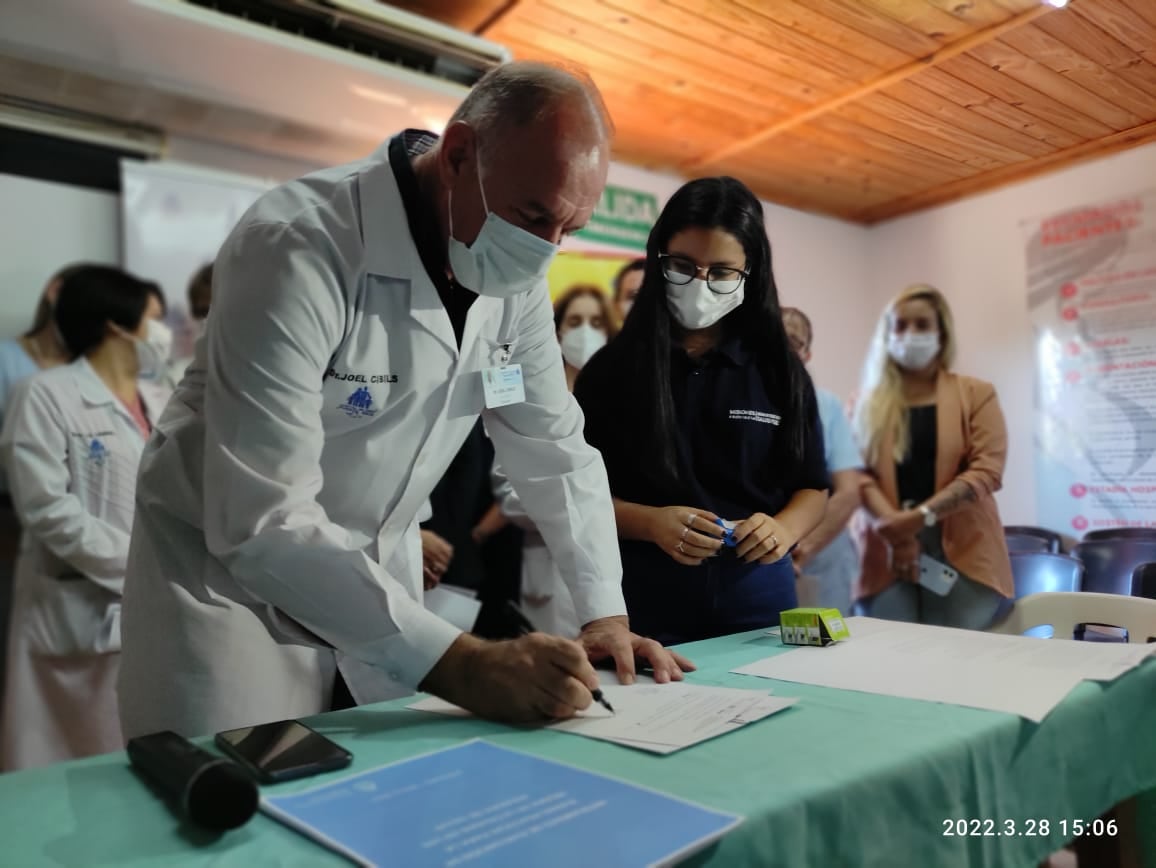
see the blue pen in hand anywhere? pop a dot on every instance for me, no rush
(523, 625)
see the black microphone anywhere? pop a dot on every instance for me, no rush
(211, 791)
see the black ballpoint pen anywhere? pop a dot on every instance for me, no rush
(523, 625)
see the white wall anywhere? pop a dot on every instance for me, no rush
(43, 227)
(226, 158)
(973, 250)
(821, 268)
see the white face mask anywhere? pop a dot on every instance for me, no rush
(154, 350)
(696, 306)
(580, 343)
(504, 260)
(913, 351)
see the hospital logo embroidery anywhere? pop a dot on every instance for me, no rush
(359, 404)
(97, 452)
(755, 416)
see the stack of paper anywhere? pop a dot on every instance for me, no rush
(1017, 674)
(660, 718)
(487, 807)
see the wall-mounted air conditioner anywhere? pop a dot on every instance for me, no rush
(322, 80)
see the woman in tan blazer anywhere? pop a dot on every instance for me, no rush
(935, 443)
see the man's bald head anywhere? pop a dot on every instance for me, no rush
(531, 142)
(512, 97)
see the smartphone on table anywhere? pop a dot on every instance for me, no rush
(282, 751)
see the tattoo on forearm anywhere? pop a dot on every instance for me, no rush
(951, 498)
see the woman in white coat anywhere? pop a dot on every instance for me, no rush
(70, 445)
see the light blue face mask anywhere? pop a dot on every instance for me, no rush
(504, 260)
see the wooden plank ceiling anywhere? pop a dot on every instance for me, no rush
(861, 109)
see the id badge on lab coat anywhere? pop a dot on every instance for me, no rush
(503, 386)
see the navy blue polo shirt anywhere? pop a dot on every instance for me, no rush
(726, 434)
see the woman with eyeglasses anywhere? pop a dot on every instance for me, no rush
(703, 413)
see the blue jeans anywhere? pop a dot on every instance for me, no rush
(969, 605)
(831, 572)
(674, 603)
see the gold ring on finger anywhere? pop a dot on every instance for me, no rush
(690, 519)
(685, 531)
(680, 547)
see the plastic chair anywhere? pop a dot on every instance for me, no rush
(1144, 581)
(1053, 539)
(1041, 572)
(1019, 543)
(1109, 563)
(1121, 533)
(1065, 611)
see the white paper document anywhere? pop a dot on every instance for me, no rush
(1016, 674)
(660, 718)
(460, 608)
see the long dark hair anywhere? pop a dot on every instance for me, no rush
(641, 352)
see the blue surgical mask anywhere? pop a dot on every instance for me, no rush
(504, 260)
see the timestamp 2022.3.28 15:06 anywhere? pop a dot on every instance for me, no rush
(989, 828)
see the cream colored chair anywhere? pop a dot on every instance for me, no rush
(1065, 610)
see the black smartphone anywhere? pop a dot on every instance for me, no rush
(282, 751)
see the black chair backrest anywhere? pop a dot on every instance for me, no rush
(1109, 563)
(1121, 533)
(1144, 581)
(1052, 538)
(1022, 542)
(1039, 572)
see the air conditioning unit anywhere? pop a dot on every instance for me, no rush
(321, 80)
(374, 30)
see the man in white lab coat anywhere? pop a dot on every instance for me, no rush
(362, 319)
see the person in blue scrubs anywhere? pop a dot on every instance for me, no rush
(826, 559)
(702, 411)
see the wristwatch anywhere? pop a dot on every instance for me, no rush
(929, 516)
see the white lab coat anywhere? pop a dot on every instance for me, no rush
(71, 451)
(277, 503)
(546, 599)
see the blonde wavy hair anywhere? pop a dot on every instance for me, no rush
(881, 408)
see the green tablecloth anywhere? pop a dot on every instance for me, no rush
(841, 779)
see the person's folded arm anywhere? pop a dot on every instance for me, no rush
(279, 314)
(812, 483)
(986, 457)
(844, 466)
(877, 503)
(841, 505)
(34, 450)
(559, 478)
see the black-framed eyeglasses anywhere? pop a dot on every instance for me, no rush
(720, 279)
